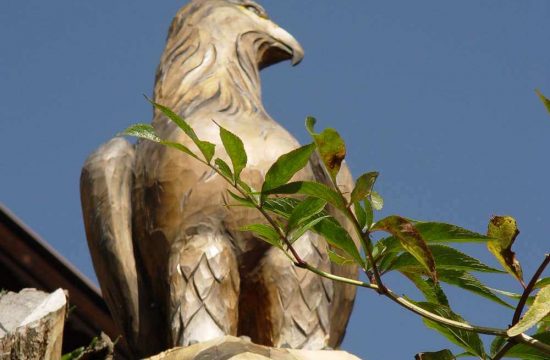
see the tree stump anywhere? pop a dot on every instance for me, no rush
(31, 324)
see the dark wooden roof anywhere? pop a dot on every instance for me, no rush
(27, 261)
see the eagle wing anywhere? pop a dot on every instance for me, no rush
(105, 185)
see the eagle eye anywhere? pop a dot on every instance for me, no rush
(256, 10)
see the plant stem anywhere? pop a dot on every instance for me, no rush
(517, 315)
(367, 245)
(409, 305)
(527, 291)
(527, 340)
(440, 319)
(338, 278)
(298, 260)
(499, 355)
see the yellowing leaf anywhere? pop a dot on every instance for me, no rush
(538, 311)
(331, 147)
(410, 239)
(503, 230)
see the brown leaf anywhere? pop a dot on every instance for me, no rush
(411, 240)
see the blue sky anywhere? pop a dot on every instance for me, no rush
(437, 96)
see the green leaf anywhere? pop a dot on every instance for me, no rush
(544, 100)
(206, 148)
(436, 232)
(542, 283)
(431, 290)
(285, 167)
(512, 295)
(369, 213)
(147, 132)
(363, 186)
(265, 232)
(441, 232)
(467, 340)
(525, 352)
(331, 147)
(339, 259)
(503, 230)
(246, 187)
(469, 282)
(327, 227)
(224, 168)
(410, 239)
(307, 225)
(304, 211)
(497, 344)
(446, 258)
(179, 147)
(235, 149)
(241, 200)
(464, 354)
(438, 355)
(543, 325)
(360, 214)
(385, 259)
(338, 237)
(312, 189)
(143, 131)
(310, 124)
(75, 354)
(376, 201)
(538, 311)
(282, 206)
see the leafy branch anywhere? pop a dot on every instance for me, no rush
(420, 251)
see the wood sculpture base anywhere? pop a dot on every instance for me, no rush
(233, 348)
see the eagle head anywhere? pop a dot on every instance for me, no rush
(214, 52)
(241, 22)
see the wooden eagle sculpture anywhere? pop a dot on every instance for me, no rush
(172, 265)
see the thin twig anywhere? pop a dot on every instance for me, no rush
(525, 339)
(519, 310)
(529, 289)
(409, 305)
(282, 236)
(367, 245)
(528, 340)
(500, 354)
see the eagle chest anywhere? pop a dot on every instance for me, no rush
(193, 195)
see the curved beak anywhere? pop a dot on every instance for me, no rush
(282, 47)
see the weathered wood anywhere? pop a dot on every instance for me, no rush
(171, 259)
(232, 348)
(31, 324)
